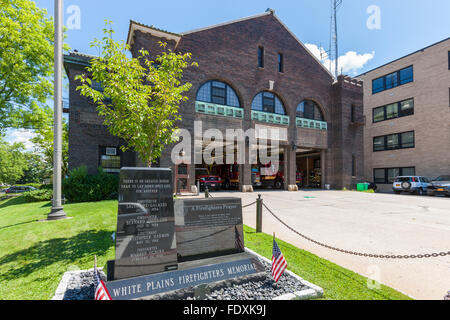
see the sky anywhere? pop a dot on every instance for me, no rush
(370, 32)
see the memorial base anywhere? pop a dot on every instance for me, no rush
(190, 276)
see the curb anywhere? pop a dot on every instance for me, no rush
(313, 293)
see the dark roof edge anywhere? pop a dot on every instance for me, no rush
(143, 27)
(228, 22)
(409, 54)
(78, 58)
(154, 28)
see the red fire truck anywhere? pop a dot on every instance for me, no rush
(271, 176)
(229, 174)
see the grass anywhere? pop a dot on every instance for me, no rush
(337, 282)
(34, 255)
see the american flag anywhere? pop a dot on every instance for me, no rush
(279, 264)
(101, 293)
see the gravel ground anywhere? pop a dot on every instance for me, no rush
(258, 290)
(81, 287)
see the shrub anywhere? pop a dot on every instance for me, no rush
(37, 195)
(80, 186)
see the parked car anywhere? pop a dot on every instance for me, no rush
(440, 185)
(19, 189)
(212, 182)
(411, 184)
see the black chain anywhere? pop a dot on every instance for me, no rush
(248, 205)
(377, 256)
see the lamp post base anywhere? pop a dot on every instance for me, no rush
(57, 213)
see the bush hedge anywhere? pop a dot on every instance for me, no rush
(80, 186)
(38, 195)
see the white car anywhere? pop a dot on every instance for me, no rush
(411, 184)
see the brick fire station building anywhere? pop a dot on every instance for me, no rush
(252, 73)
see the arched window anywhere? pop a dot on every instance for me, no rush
(308, 109)
(268, 102)
(219, 93)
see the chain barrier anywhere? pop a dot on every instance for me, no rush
(248, 205)
(377, 256)
(207, 193)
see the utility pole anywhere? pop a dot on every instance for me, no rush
(57, 211)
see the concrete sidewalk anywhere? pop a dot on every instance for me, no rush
(369, 223)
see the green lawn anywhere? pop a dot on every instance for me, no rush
(34, 255)
(338, 283)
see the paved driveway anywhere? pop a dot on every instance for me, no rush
(364, 222)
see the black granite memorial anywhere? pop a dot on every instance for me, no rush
(208, 227)
(164, 246)
(145, 237)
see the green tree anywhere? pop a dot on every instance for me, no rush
(13, 162)
(26, 63)
(37, 169)
(140, 96)
(43, 141)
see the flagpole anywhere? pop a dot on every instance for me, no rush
(57, 212)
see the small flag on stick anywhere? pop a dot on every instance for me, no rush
(279, 264)
(101, 293)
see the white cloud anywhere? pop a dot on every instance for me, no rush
(351, 62)
(21, 135)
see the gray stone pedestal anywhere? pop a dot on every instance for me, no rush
(57, 213)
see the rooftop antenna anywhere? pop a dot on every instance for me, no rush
(323, 54)
(334, 52)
